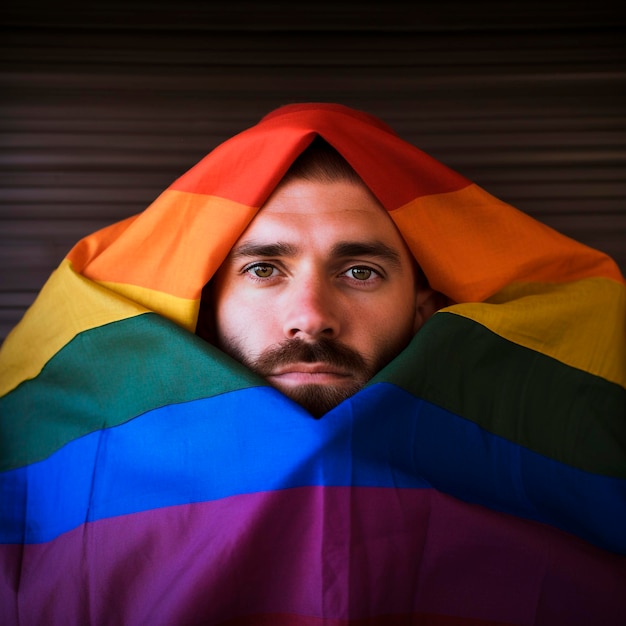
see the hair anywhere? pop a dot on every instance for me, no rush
(319, 162)
(322, 163)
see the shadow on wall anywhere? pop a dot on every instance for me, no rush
(103, 110)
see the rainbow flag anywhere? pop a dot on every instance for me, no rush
(478, 479)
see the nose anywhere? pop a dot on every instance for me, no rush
(310, 311)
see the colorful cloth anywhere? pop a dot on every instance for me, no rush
(478, 479)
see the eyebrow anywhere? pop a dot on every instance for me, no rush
(375, 249)
(342, 249)
(253, 249)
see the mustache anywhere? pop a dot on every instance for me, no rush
(323, 350)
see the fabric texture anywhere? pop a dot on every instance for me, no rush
(478, 479)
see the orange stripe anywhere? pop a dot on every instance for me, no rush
(470, 245)
(173, 247)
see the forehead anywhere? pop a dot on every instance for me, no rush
(320, 211)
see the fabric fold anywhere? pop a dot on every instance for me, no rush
(479, 478)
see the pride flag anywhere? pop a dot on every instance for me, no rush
(478, 479)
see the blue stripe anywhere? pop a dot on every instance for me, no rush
(257, 440)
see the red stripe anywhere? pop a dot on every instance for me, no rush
(248, 167)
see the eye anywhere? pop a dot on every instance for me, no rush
(361, 273)
(260, 270)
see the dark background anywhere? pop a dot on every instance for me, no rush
(103, 105)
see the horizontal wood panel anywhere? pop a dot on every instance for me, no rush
(104, 105)
(321, 16)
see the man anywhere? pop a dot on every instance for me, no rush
(465, 365)
(320, 292)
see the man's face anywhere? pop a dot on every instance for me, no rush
(318, 294)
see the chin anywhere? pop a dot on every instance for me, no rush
(320, 399)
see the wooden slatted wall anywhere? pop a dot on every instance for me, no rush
(104, 104)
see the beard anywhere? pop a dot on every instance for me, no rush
(316, 399)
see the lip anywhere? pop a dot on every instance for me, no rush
(308, 373)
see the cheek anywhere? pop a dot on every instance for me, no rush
(382, 333)
(242, 323)
(230, 320)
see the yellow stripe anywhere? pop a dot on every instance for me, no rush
(181, 311)
(69, 304)
(581, 324)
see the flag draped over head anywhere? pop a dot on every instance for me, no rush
(479, 478)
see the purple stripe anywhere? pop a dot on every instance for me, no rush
(334, 552)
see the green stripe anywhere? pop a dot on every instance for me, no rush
(145, 362)
(119, 371)
(514, 392)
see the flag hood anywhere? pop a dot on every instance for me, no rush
(479, 478)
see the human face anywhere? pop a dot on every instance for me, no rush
(318, 294)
